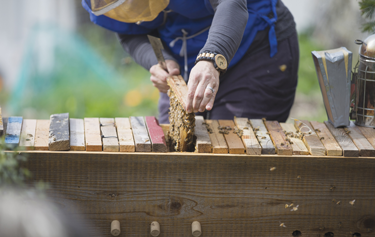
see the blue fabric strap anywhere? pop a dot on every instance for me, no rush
(271, 33)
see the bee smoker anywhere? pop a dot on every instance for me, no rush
(333, 68)
(363, 84)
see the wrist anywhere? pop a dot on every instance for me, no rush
(218, 60)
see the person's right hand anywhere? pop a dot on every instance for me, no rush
(159, 76)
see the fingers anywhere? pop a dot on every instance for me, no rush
(192, 87)
(173, 67)
(159, 78)
(210, 103)
(209, 96)
(159, 75)
(158, 72)
(199, 96)
(162, 87)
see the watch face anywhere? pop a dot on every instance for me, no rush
(221, 62)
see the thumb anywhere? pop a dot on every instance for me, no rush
(173, 67)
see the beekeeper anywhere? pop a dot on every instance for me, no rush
(240, 58)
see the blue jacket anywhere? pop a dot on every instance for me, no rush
(195, 16)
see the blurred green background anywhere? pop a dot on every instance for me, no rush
(86, 72)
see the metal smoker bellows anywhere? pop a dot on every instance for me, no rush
(333, 68)
(363, 94)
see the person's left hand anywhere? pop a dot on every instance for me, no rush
(199, 96)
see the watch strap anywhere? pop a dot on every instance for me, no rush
(210, 56)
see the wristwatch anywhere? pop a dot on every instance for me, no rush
(219, 61)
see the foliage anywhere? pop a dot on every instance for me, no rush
(87, 77)
(12, 174)
(368, 8)
(10, 171)
(307, 79)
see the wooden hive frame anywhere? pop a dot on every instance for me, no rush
(181, 131)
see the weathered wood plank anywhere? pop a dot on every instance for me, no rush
(369, 133)
(248, 137)
(363, 145)
(77, 135)
(59, 133)
(347, 145)
(203, 143)
(125, 134)
(156, 134)
(5, 124)
(41, 134)
(278, 138)
(13, 132)
(141, 138)
(234, 142)
(263, 136)
(298, 146)
(327, 139)
(27, 139)
(311, 140)
(109, 134)
(1, 124)
(230, 195)
(92, 134)
(219, 145)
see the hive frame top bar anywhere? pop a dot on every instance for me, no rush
(188, 154)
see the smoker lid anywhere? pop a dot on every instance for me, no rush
(367, 47)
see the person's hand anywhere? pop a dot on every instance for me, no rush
(159, 76)
(199, 96)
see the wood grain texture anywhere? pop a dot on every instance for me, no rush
(298, 146)
(361, 142)
(311, 140)
(1, 124)
(248, 137)
(5, 124)
(369, 133)
(165, 128)
(345, 142)
(179, 87)
(263, 136)
(77, 135)
(109, 134)
(203, 143)
(125, 134)
(141, 137)
(59, 132)
(278, 138)
(234, 142)
(327, 139)
(93, 135)
(41, 134)
(219, 145)
(230, 195)
(27, 139)
(13, 132)
(156, 134)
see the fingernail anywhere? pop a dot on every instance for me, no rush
(189, 111)
(208, 107)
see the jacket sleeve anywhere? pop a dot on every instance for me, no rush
(227, 27)
(140, 49)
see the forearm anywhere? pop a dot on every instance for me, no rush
(227, 27)
(140, 49)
